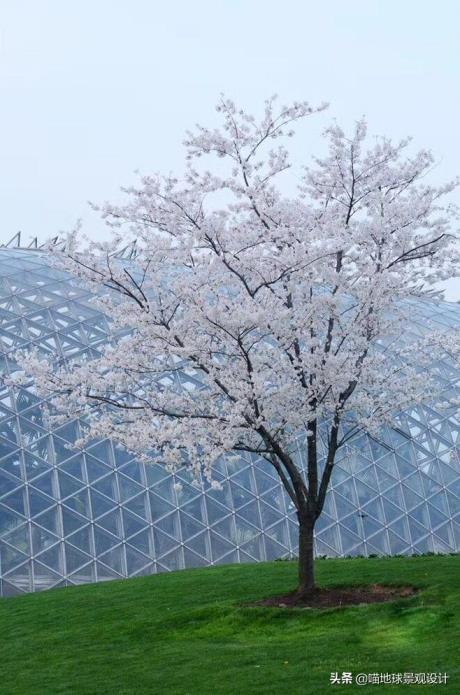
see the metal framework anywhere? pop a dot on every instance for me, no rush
(69, 516)
(128, 252)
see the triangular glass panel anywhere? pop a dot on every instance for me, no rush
(405, 467)
(39, 502)
(268, 515)
(41, 448)
(15, 535)
(72, 521)
(240, 496)
(45, 484)
(12, 465)
(192, 559)
(219, 546)
(448, 474)
(128, 488)
(226, 527)
(7, 483)
(7, 447)
(133, 471)
(265, 482)
(195, 508)
(112, 522)
(349, 540)
(21, 577)
(258, 514)
(273, 549)
(254, 548)
(370, 526)
(187, 493)
(34, 466)
(104, 573)
(397, 545)
(79, 502)
(276, 498)
(224, 495)
(440, 502)
(15, 501)
(114, 559)
(43, 576)
(135, 560)
(446, 534)
(420, 514)
(137, 505)
(159, 507)
(82, 539)
(189, 526)
(236, 556)
(107, 486)
(165, 489)
(101, 451)
(10, 558)
(401, 528)
(417, 531)
(63, 450)
(143, 541)
(174, 560)
(436, 517)
(75, 559)
(170, 524)
(391, 511)
(343, 505)
(96, 468)
(99, 504)
(395, 495)
(243, 532)
(199, 544)
(103, 540)
(352, 523)
(84, 575)
(410, 497)
(154, 473)
(132, 523)
(453, 504)
(278, 532)
(49, 520)
(454, 487)
(215, 510)
(52, 557)
(163, 542)
(30, 431)
(245, 479)
(75, 467)
(8, 430)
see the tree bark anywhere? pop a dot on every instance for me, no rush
(306, 555)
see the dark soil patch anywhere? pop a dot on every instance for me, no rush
(335, 598)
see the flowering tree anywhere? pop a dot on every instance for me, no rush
(289, 313)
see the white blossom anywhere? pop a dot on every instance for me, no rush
(248, 319)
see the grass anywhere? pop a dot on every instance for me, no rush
(185, 633)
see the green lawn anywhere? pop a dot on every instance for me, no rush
(185, 633)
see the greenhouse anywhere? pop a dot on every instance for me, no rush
(71, 516)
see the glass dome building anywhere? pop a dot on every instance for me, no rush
(72, 516)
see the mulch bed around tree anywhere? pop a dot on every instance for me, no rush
(335, 598)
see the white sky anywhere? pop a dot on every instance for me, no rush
(94, 89)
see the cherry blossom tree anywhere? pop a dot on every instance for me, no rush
(287, 312)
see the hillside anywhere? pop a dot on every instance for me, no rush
(185, 633)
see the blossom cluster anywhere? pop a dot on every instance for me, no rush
(241, 323)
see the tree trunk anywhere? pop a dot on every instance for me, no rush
(306, 556)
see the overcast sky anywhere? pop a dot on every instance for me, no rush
(95, 89)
